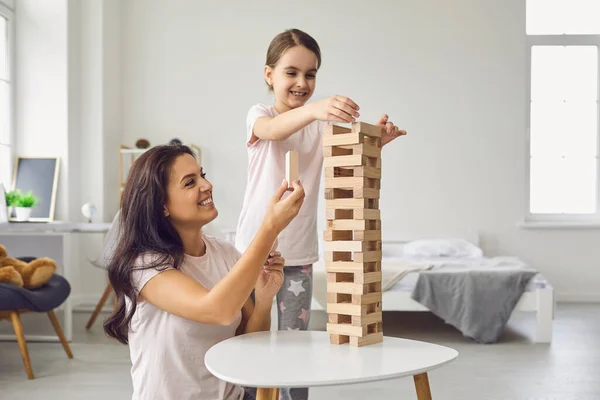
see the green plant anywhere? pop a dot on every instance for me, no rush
(27, 200)
(12, 197)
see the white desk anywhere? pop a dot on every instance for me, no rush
(53, 240)
(287, 359)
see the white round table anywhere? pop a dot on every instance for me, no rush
(287, 359)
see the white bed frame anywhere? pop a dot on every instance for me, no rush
(540, 301)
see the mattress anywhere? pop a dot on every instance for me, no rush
(400, 273)
(409, 280)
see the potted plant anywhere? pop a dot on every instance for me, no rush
(11, 200)
(24, 205)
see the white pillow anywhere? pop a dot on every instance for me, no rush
(458, 248)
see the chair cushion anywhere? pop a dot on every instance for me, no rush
(42, 299)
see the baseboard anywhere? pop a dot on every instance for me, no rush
(568, 297)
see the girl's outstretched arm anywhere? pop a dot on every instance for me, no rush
(334, 108)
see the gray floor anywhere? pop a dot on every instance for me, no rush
(514, 369)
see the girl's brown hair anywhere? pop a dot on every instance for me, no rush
(288, 39)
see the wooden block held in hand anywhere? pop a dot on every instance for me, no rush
(291, 167)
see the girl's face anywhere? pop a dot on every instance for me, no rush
(293, 78)
(189, 195)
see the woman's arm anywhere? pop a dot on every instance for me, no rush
(181, 295)
(255, 318)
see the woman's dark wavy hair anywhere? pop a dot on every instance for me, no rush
(144, 230)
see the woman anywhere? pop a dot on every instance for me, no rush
(180, 291)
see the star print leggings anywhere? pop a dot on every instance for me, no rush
(293, 312)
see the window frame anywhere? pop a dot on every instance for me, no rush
(8, 14)
(560, 40)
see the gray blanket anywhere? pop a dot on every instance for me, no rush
(478, 301)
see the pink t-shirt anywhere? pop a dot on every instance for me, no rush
(167, 351)
(298, 243)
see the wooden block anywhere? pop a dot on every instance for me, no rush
(367, 129)
(366, 214)
(347, 308)
(347, 288)
(330, 235)
(359, 269)
(345, 161)
(366, 193)
(331, 194)
(352, 183)
(291, 167)
(355, 160)
(336, 256)
(336, 130)
(369, 298)
(343, 139)
(337, 235)
(355, 171)
(368, 277)
(335, 298)
(344, 308)
(347, 204)
(369, 256)
(363, 320)
(367, 149)
(359, 193)
(340, 277)
(332, 172)
(365, 235)
(367, 172)
(339, 319)
(347, 256)
(351, 245)
(347, 329)
(338, 339)
(353, 225)
(349, 214)
(373, 338)
(360, 273)
(339, 214)
(334, 151)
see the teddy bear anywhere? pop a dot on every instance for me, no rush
(22, 274)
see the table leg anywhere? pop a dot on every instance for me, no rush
(422, 386)
(267, 394)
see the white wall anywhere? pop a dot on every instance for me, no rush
(9, 3)
(453, 75)
(41, 118)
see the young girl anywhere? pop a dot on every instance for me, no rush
(293, 59)
(180, 292)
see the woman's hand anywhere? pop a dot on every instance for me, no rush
(389, 131)
(281, 212)
(270, 279)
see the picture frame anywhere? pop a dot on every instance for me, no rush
(38, 175)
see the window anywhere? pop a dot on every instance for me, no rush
(6, 97)
(563, 39)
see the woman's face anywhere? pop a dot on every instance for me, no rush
(189, 195)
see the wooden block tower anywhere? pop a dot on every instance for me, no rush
(353, 235)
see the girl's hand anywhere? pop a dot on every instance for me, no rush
(281, 212)
(335, 108)
(389, 131)
(270, 279)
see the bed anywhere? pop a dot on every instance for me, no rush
(401, 271)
